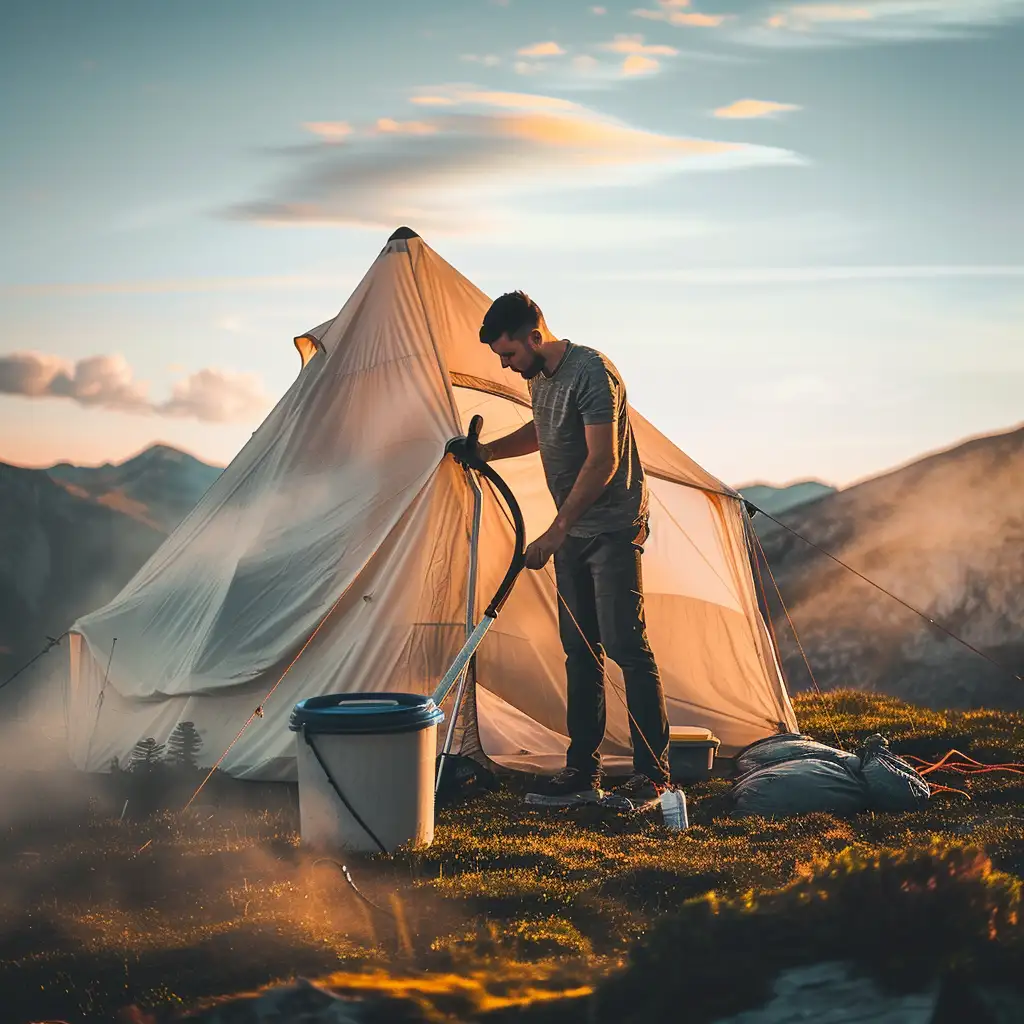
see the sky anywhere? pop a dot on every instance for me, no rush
(797, 228)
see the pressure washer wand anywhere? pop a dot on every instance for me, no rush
(466, 453)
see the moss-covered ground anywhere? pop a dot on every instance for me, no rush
(514, 912)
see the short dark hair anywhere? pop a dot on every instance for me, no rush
(510, 314)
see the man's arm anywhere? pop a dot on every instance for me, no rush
(594, 476)
(599, 400)
(522, 441)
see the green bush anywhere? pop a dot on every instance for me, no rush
(903, 916)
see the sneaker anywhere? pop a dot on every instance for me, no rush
(569, 788)
(638, 794)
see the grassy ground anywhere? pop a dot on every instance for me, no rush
(506, 904)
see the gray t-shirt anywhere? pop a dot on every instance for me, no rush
(587, 389)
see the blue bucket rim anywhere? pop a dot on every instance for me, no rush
(379, 713)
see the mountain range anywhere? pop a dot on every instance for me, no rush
(774, 499)
(944, 534)
(158, 487)
(72, 536)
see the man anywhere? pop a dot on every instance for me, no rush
(581, 428)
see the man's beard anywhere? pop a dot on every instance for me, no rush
(534, 368)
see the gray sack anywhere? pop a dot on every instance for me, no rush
(800, 787)
(893, 785)
(792, 774)
(789, 746)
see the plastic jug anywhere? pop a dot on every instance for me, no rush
(673, 810)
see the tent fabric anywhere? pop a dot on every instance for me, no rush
(342, 519)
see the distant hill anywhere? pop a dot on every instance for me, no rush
(72, 536)
(158, 486)
(779, 499)
(945, 534)
(61, 555)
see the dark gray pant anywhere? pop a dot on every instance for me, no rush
(600, 580)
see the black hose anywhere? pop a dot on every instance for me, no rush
(341, 796)
(351, 882)
(519, 554)
(467, 454)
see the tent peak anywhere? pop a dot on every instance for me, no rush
(402, 232)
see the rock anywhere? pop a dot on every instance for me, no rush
(299, 1003)
(835, 993)
(1004, 1005)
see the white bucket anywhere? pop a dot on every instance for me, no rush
(378, 749)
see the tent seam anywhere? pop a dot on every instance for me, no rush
(441, 368)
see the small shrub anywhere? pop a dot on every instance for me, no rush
(145, 756)
(183, 747)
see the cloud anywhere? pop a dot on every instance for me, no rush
(431, 100)
(216, 396)
(107, 382)
(585, 64)
(334, 131)
(598, 10)
(489, 60)
(391, 126)
(672, 11)
(865, 21)
(753, 108)
(634, 44)
(328, 129)
(549, 49)
(635, 64)
(697, 19)
(169, 286)
(455, 95)
(731, 276)
(104, 381)
(528, 67)
(232, 323)
(484, 149)
(639, 56)
(828, 12)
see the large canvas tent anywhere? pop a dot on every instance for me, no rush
(333, 555)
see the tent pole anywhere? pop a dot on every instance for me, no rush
(474, 552)
(469, 459)
(474, 546)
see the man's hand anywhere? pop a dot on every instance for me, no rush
(540, 551)
(465, 451)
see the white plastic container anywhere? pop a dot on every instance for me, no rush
(378, 750)
(673, 810)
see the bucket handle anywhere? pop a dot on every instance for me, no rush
(337, 789)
